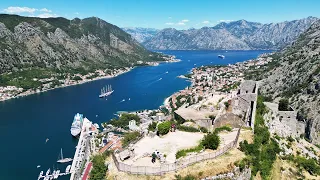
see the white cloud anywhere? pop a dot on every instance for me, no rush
(180, 23)
(42, 13)
(205, 22)
(17, 10)
(45, 10)
(223, 20)
(47, 15)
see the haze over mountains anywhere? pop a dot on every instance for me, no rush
(236, 35)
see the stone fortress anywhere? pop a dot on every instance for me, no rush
(283, 123)
(245, 102)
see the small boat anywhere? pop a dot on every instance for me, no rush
(129, 99)
(40, 175)
(221, 56)
(160, 79)
(47, 140)
(38, 166)
(68, 168)
(48, 172)
(167, 72)
(63, 160)
(56, 175)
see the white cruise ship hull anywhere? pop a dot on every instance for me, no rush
(75, 132)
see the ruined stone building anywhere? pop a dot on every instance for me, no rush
(283, 123)
(245, 102)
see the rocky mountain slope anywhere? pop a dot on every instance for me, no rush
(59, 43)
(141, 34)
(295, 74)
(237, 35)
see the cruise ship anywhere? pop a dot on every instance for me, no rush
(76, 125)
(106, 91)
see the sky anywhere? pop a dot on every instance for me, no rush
(159, 14)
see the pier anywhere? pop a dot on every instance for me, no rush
(54, 175)
(84, 149)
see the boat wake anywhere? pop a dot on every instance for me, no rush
(151, 80)
(123, 100)
(154, 82)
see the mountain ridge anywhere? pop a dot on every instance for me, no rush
(60, 43)
(295, 75)
(237, 35)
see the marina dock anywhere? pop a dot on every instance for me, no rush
(81, 159)
(85, 148)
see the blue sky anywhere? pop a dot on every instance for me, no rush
(180, 14)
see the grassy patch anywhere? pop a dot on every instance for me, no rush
(184, 152)
(223, 128)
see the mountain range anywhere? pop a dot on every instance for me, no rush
(141, 34)
(236, 35)
(295, 74)
(59, 43)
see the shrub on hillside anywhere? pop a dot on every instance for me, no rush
(211, 141)
(203, 129)
(152, 126)
(309, 165)
(130, 137)
(187, 128)
(164, 127)
(223, 128)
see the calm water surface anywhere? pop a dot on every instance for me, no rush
(25, 123)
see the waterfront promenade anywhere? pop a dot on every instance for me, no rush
(84, 149)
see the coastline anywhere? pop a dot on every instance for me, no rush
(64, 86)
(27, 93)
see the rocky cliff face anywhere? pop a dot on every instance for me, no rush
(296, 75)
(61, 43)
(141, 34)
(237, 35)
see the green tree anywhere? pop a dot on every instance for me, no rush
(123, 120)
(130, 137)
(152, 126)
(99, 169)
(211, 141)
(164, 127)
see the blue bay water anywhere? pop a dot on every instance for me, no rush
(26, 122)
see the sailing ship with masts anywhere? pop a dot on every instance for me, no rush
(106, 91)
(63, 160)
